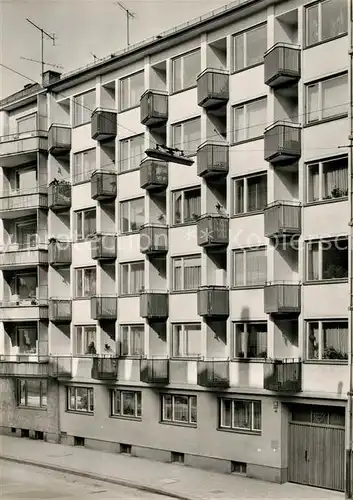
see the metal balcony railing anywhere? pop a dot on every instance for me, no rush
(282, 218)
(283, 375)
(154, 107)
(282, 143)
(60, 310)
(59, 194)
(282, 65)
(60, 252)
(104, 307)
(105, 368)
(103, 185)
(213, 373)
(153, 174)
(154, 304)
(213, 88)
(213, 301)
(104, 124)
(154, 371)
(213, 159)
(59, 139)
(103, 246)
(282, 298)
(61, 366)
(213, 230)
(153, 238)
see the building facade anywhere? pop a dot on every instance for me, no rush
(200, 313)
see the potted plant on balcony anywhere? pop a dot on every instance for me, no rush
(333, 353)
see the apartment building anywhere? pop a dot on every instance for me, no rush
(195, 314)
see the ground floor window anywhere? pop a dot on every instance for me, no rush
(32, 392)
(320, 415)
(80, 399)
(179, 409)
(240, 414)
(126, 403)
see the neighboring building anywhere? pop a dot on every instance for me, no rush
(193, 314)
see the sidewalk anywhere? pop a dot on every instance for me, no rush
(174, 480)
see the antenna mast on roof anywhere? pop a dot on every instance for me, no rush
(43, 32)
(129, 15)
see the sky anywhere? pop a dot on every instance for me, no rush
(81, 27)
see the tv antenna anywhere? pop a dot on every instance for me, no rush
(46, 63)
(95, 58)
(42, 32)
(129, 15)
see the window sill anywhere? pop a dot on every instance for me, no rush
(81, 124)
(77, 412)
(183, 224)
(129, 170)
(325, 41)
(127, 295)
(326, 120)
(179, 424)
(239, 431)
(175, 92)
(250, 139)
(246, 214)
(131, 356)
(81, 182)
(247, 287)
(40, 408)
(325, 361)
(237, 71)
(84, 298)
(324, 201)
(129, 233)
(135, 106)
(326, 282)
(125, 417)
(85, 240)
(180, 292)
(249, 360)
(186, 358)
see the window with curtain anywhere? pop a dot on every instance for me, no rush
(84, 166)
(250, 340)
(84, 105)
(132, 340)
(327, 340)
(132, 215)
(325, 20)
(327, 98)
(85, 223)
(327, 179)
(26, 234)
(126, 403)
(85, 279)
(186, 340)
(131, 152)
(327, 259)
(85, 341)
(250, 267)
(186, 205)
(250, 193)
(249, 120)
(32, 392)
(238, 414)
(179, 409)
(132, 278)
(27, 123)
(185, 70)
(131, 89)
(27, 338)
(186, 273)
(80, 399)
(249, 47)
(187, 136)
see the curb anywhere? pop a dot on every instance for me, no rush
(96, 477)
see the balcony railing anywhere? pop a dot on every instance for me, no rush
(59, 139)
(154, 239)
(153, 174)
(60, 366)
(213, 301)
(282, 143)
(17, 256)
(283, 375)
(59, 195)
(60, 253)
(154, 304)
(103, 185)
(154, 371)
(213, 88)
(103, 124)
(213, 160)
(282, 65)
(213, 373)
(24, 366)
(105, 368)
(154, 107)
(22, 200)
(104, 307)
(60, 310)
(103, 246)
(34, 307)
(282, 298)
(282, 219)
(22, 147)
(213, 230)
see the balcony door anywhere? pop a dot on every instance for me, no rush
(25, 286)
(26, 234)
(26, 180)
(27, 340)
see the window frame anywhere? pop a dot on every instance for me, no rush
(22, 329)
(183, 220)
(130, 342)
(321, 243)
(320, 165)
(232, 427)
(130, 222)
(173, 421)
(137, 404)
(244, 35)
(182, 145)
(318, 84)
(245, 340)
(90, 399)
(84, 347)
(80, 233)
(19, 225)
(82, 271)
(184, 258)
(83, 175)
(181, 58)
(128, 141)
(25, 118)
(43, 394)
(244, 106)
(306, 29)
(321, 323)
(83, 108)
(129, 264)
(129, 104)
(245, 180)
(184, 340)
(245, 252)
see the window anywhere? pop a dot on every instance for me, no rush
(126, 403)
(32, 392)
(326, 20)
(27, 338)
(250, 340)
(327, 340)
(80, 399)
(132, 215)
(240, 414)
(85, 341)
(250, 194)
(84, 105)
(187, 136)
(186, 340)
(84, 165)
(186, 205)
(85, 223)
(327, 415)
(327, 98)
(131, 152)
(327, 179)
(25, 286)
(327, 259)
(131, 89)
(26, 234)
(85, 281)
(179, 409)
(249, 120)
(26, 179)
(186, 273)
(249, 47)
(185, 70)
(250, 267)
(132, 340)
(27, 124)
(132, 278)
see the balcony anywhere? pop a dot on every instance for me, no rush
(212, 88)
(103, 185)
(214, 374)
(59, 195)
(153, 175)
(20, 148)
(282, 219)
(60, 310)
(59, 140)
(19, 203)
(60, 253)
(154, 108)
(213, 230)
(213, 301)
(24, 366)
(154, 371)
(282, 298)
(282, 65)
(154, 305)
(105, 368)
(15, 256)
(103, 124)
(282, 143)
(104, 307)
(283, 375)
(154, 239)
(103, 246)
(32, 308)
(213, 160)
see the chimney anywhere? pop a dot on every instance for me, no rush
(49, 77)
